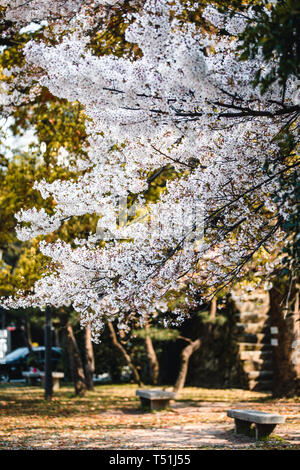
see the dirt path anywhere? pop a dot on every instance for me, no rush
(205, 426)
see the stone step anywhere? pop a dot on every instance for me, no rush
(252, 317)
(253, 328)
(259, 355)
(261, 385)
(260, 374)
(261, 365)
(244, 346)
(253, 303)
(259, 338)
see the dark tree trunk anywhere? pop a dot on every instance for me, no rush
(56, 338)
(193, 345)
(124, 353)
(89, 358)
(26, 333)
(77, 370)
(286, 357)
(184, 362)
(151, 355)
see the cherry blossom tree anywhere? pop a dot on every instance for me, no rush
(185, 101)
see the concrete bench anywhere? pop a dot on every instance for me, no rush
(55, 377)
(155, 399)
(265, 423)
(31, 377)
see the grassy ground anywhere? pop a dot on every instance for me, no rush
(111, 418)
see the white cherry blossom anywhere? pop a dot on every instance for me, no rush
(186, 103)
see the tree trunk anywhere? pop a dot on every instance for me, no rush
(124, 353)
(213, 308)
(184, 362)
(89, 358)
(286, 355)
(151, 355)
(56, 338)
(77, 370)
(26, 333)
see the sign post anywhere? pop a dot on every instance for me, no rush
(3, 343)
(48, 363)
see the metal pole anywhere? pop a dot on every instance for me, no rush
(2, 310)
(48, 365)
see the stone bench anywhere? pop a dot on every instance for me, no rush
(31, 377)
(155, 399)
(265, 423)
(55, 377)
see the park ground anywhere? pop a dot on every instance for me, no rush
(110, 417)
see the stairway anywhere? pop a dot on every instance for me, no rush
(254, 340)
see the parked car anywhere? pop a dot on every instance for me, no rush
(22, 359)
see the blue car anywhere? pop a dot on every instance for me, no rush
(21, 359)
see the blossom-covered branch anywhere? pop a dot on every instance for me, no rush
(185, 102)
